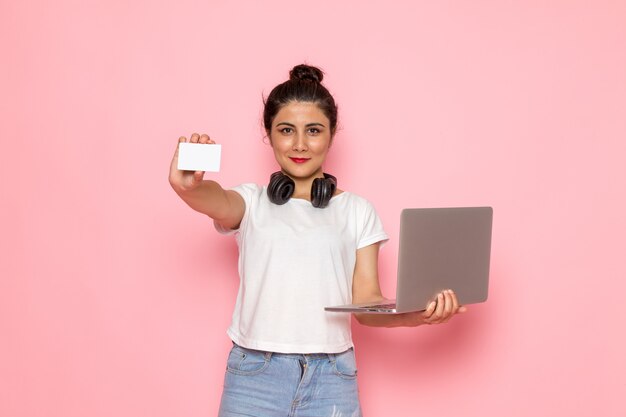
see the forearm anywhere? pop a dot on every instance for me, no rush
(208, 198)
(439, 310)
(390, 320)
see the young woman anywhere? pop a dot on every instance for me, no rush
(303, 244)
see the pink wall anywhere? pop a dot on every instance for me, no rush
(115, 297)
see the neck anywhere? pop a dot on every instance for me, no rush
(304, 185)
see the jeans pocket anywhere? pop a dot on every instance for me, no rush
(345, 364)
(242, 361)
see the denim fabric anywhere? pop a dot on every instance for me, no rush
(266, 384)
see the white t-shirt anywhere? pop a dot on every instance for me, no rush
(294, 260)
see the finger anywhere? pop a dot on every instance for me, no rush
(194, 138)
(451, 305)
(459, 307)
(431, 307)
(455, 302)
(429, 310)
(197, 176)
(444, 306)
(181, 139)
(204, 138)
(439, 309)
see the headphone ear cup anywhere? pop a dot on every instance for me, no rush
(280, 188)
(322, 190)
(317, 192)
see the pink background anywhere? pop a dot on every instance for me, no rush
(115, 297)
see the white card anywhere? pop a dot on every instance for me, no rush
(199, 157)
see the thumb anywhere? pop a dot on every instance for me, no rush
(181, 139)
(197, 176)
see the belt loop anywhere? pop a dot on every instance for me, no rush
(268, 356)
(331, 357)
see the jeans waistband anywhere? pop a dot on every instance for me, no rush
(296, 356)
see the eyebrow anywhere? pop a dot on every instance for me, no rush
(307, 125)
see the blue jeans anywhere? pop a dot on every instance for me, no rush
(266, 384)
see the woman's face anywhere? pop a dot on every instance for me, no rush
(301, 137)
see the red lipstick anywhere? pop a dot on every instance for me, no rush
(299, 160)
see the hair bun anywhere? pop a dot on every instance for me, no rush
(304, 72)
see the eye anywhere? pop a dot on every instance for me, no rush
(314, 130)
(285, 130)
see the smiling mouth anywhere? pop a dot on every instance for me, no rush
(299, 160)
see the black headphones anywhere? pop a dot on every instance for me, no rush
(281, 188)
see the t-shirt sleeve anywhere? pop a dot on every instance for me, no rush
(372, 228)
(247, 192)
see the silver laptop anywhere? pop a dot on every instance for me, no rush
(440, 248)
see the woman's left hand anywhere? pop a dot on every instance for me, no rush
(442, 308)
(439, 310)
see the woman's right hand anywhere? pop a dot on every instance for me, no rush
(187, 180)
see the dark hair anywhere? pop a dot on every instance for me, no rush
(304, 85)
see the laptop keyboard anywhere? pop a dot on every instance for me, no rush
(390, 306)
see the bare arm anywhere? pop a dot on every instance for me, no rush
(366, 288)
(205, 196)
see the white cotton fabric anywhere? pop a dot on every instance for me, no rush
(294, 260)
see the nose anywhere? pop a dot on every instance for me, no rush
(299, 143)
